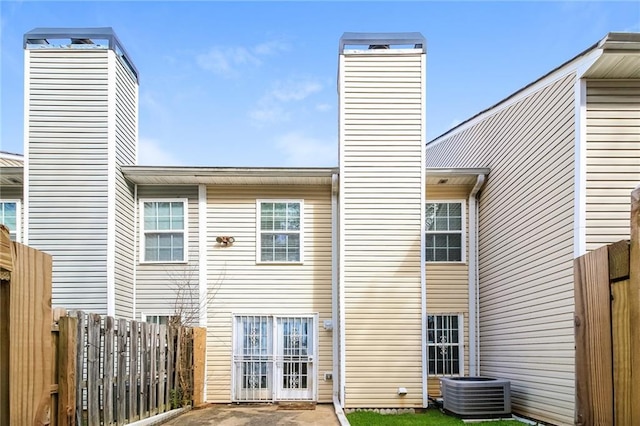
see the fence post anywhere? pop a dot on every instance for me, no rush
(162, 367)
(108, 366)
(121, 408)
(620, 330)
(67, 341)
(634, 306)
(93, 370)
(594, 365)
(80, 352)
(6, 266)
(199, 359)
(134, 362)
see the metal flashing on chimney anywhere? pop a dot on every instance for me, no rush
(413, 40)
(78, 38)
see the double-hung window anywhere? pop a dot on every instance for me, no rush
(444, 344)
(445, 231)
(280, 231)
(164, 224)
(10, 217)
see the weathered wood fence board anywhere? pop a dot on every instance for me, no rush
(134, 345)
(67, 348)
(634, 307)
(121, 380)
(607, 294)
(199, 361)
(29, 343)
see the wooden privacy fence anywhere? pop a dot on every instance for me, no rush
(607, 324)
(27, 387)
(85, 369)
(128, 370)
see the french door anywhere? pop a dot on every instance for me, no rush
(274, 357)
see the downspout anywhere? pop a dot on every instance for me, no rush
(203, 299)
(474, 296)
(335, 302)
(135, 247)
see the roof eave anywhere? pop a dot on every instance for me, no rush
(198, 175)
(447, 171)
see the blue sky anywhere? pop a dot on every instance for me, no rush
(254, 83)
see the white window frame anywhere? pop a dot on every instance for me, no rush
(463, 231)
(460, 343)
(143, 232)
(18, 229)
(259, 231)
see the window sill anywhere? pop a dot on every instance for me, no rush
(440, 262)
(280, 263)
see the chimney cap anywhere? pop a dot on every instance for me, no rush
(413, 39)
(41, 37)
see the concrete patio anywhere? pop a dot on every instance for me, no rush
(258, 415)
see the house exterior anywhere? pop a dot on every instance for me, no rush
(564, 154)
(358, 285)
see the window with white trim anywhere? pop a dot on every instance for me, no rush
(444, 344)
(164, 225)
(444, 232)
(10, 217)
(279, 231)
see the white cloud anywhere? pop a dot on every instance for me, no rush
(300, 150)
(269, 114)
(323, 107)
(226, 60)
(270, 47)
(454, 123)
(151, 153)
(292, 90)
(271, 106)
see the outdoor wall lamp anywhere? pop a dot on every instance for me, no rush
(225, 241)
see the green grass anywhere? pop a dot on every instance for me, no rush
(427, 418)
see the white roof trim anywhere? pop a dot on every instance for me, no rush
(577, 65)
(11, 156)
(196, 175)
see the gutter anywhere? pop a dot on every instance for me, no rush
(134, 258)
(474, 295)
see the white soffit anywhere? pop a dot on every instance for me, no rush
(620, 57)
(149, 175)
(441, 176)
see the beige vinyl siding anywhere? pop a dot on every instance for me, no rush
(382, 202)
(66, 115)
(613, 148)
(448, 283)
(169, 288)
(126, 98)
(525, 245)
(238, 285)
